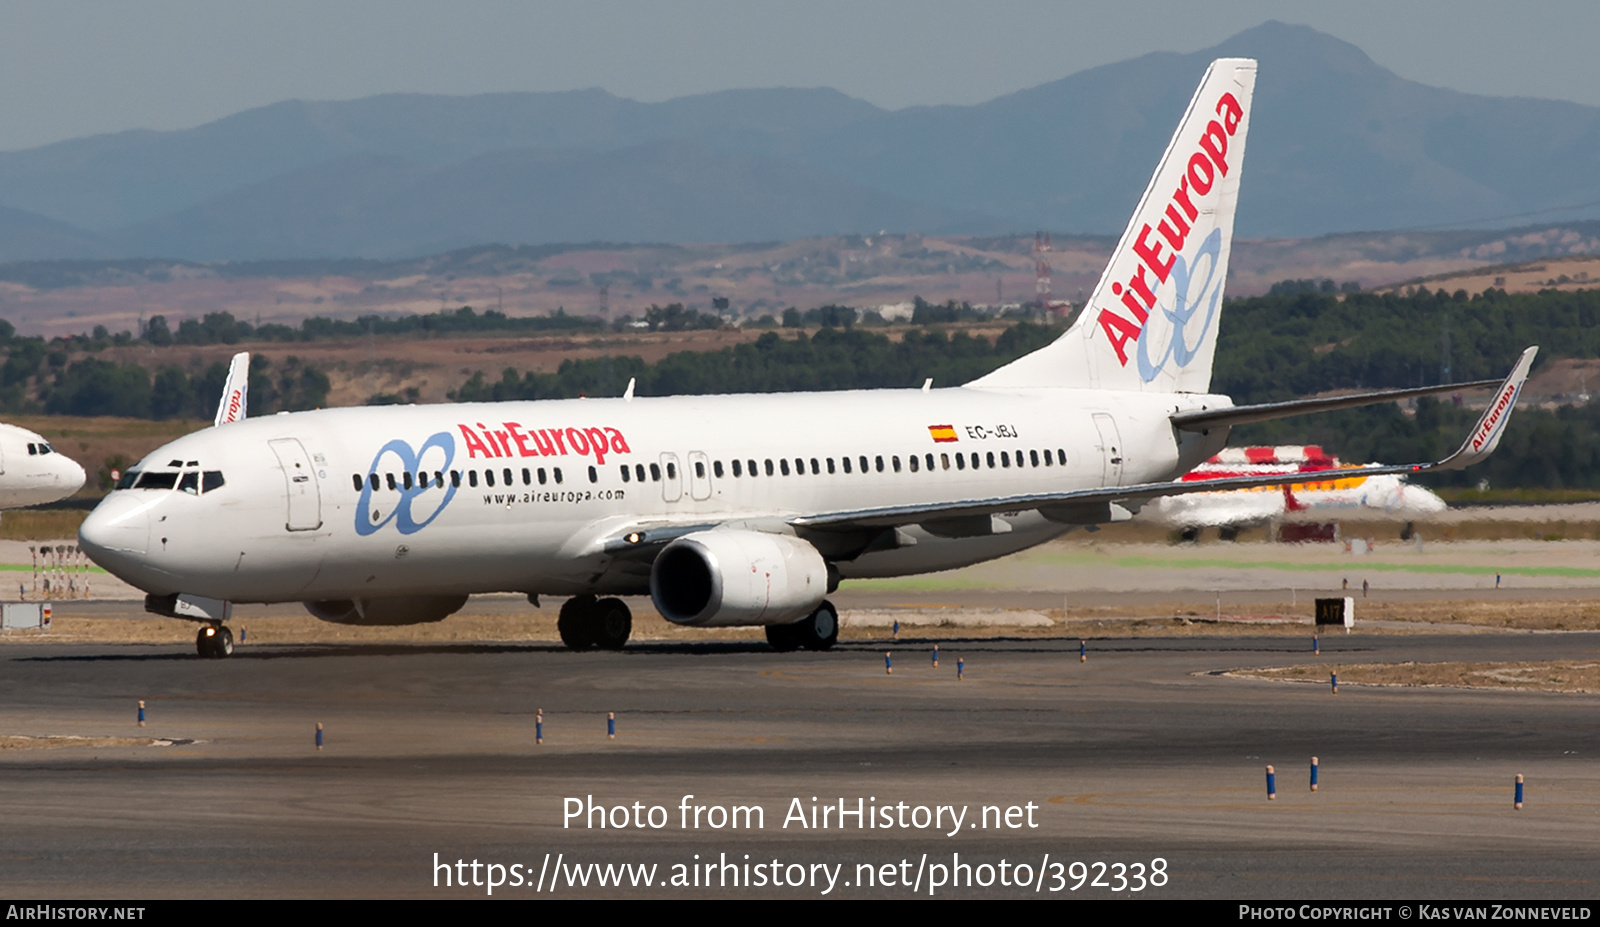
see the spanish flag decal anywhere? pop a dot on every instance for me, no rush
(942, 434)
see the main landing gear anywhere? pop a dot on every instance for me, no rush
(817, 631)
(214, 641)
(589, 622)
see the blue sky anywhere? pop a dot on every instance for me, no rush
(75, 68)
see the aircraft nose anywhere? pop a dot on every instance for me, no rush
(117, 533)
(72, 475)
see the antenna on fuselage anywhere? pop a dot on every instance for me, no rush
(627, 394)
(235, 391)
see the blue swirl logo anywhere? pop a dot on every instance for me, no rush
(1178, 347)
(405, 508)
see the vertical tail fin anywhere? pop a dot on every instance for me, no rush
(235, 391)
(1151, 323)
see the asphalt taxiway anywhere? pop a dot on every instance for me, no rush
(1141, 753)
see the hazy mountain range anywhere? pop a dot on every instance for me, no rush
(1337, 143)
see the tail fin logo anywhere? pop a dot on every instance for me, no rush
(1161, 257)
(1180, 348)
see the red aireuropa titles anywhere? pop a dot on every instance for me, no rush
(510, 440)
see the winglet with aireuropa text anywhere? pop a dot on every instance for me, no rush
(235, 391)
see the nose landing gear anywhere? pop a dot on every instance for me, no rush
(214, 641)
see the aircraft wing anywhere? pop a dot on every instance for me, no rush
(1087, 505)
(1227, 416)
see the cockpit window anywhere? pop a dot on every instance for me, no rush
(154, 480)
(194, 482)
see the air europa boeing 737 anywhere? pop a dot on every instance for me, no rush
(729, 510)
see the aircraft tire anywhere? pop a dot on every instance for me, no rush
(820, 630)
(575, 624)
(610, 624)
(216, 644)
(783, 637)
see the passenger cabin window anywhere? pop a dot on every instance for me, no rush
(737, 469)
(472, 478)
(699, 470)
(655, 473)
(783, 466)
(913, 463)
(716, 468)
(455, 479)
(557, 474)
(507, 474)
(594, 475)
(846, 462)
(830, 465)
(626, 473)
(672, 471)
(355, 480)
(638, 471)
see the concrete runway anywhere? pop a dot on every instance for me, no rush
(1137, 755)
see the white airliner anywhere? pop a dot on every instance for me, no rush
(32, 472)
(1323, 492)
(728, 510)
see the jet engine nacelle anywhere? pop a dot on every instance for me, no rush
(399, 610)
(728, 577)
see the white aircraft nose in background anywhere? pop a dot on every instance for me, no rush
(32, 472)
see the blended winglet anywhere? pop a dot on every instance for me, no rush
(235, 391)
(1491, 427)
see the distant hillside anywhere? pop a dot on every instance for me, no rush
(1337, 144)
(367, 206)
